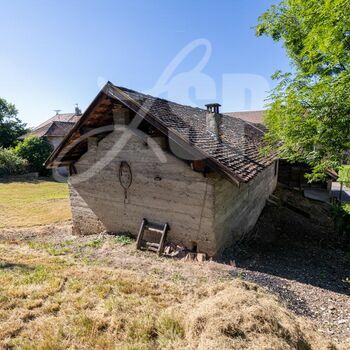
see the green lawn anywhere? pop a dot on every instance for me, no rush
(31, 203)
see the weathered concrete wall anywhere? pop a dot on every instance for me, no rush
(238, 208)
(161, 192)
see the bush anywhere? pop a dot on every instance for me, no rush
(341, 215)
(35, 150)
(11, 163)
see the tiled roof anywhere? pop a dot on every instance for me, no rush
(254, 117)
(44, 128)
(237, 148)
(234, 149)
(59, 128)
(62, 117)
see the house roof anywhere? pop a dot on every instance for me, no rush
(254, 117)
(234, 150)
(60, 117)
(59, 128)
(64, 121)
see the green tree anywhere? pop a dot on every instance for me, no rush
(10, 126)
(344, 175)
(309, 110)
(35, 150)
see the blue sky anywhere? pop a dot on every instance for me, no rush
(57, 53)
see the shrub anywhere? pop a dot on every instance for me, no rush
(344, 175)
(35, 150)
(123, 239)
(341, 215)
(11, 163)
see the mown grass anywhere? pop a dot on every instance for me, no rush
(31, 203)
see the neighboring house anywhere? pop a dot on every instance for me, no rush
(56, 128)
(254, 117)
(134, 156)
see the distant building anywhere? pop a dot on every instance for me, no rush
(56, 128)
(254, 117)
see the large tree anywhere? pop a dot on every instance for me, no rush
(10, 126)
(309, 110)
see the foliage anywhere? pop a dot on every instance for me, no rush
(95, 243)
(10, 126)
(309, 110)
(344, 175)
(35, 150)
(11, 163)
(123, 239)
(341, 215)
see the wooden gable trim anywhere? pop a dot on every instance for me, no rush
(54, 158)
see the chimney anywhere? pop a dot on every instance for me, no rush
(77, 109)
(212, 118)
(213, 107)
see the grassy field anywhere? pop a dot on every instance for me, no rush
(32, 203)
(59, 291)
(93, 293)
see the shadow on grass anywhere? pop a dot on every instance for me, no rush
(5, 265)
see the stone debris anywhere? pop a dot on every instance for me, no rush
(182, 253)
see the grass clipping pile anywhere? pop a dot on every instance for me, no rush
(242, 316)
(49, 301)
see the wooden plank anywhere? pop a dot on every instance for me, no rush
(151, 244)
(162, 240)
(139, 236)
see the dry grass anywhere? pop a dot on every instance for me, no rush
(54, 296)
(32, 203)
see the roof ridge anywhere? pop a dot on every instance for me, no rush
(157, 98)
(248, 111)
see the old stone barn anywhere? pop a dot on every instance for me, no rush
(133, 156)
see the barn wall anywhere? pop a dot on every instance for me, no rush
(210, 212)
(238, 208)
(182, 197)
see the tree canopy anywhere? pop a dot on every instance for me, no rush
(309, 110)
(10, 126)
(35, 150)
